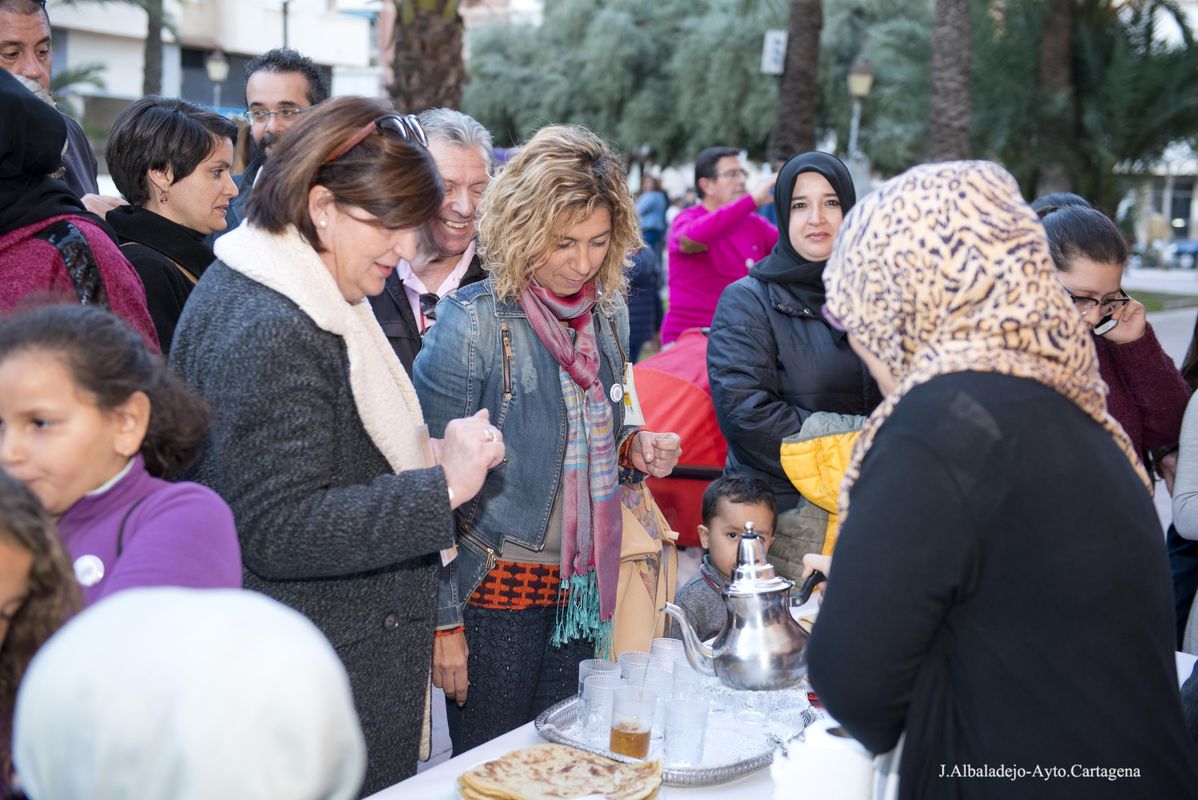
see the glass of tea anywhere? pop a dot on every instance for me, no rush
(632, 720)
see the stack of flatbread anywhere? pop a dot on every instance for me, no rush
(557, 772)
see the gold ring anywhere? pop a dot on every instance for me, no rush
(491, 436)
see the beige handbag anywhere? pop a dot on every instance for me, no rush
(648, 571)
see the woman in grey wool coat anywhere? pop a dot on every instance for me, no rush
(343, 506)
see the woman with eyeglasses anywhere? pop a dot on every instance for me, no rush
(1147, 394)
(318, 443)
(542, 344)
(173, 162)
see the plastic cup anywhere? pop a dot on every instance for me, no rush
(686, 728)
(595, 666)
(632, 721)
(631, 660)
(597, 696)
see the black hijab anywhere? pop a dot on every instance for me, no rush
(785, 265)
(32, 134)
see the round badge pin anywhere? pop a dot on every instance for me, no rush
(89, 570)
(617, 392)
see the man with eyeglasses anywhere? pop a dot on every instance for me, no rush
(714, 243)
(25, 50)
(407, 307)
(280, 87)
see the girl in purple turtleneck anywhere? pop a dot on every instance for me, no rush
(91, 422)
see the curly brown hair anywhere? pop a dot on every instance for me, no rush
(52, 596)
(558, 179)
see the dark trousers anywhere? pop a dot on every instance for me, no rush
(514, 673)
(1183, 560)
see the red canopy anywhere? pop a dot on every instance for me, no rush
(675, 396)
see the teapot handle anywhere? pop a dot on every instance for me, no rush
(813, 580)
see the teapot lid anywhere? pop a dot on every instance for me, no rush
(754, 574)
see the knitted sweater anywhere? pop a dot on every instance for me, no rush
(1148, 395)
(32, 265)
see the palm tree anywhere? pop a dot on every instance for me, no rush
(798, 92)
(1055, 74)
(428, 68)
(61, 83)
(156, 22)
(950, 116)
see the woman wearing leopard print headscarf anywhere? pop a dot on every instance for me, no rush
(1001, 593)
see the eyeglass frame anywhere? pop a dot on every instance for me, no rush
(282, 113)
(407, 126)
(1085, 305)
(733, 173)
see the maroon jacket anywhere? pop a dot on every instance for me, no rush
(1148, 395)
(34, 261)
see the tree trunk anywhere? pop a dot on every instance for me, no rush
(950, 73)
(152, 72)
(1056, 84)
(798, 91)
(428, 67)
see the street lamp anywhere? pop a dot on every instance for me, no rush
(861, 80)
(217, 67)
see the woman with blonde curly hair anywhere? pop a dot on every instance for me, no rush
(38, 593)
(541, 344)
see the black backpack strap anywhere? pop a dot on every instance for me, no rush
(120, 537)
(80, 261)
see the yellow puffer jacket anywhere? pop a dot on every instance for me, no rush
(815, 460)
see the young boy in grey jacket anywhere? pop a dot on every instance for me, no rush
(728, 504)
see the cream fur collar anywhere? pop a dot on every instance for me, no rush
(382, 391)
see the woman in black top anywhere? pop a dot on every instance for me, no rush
(172, 160)
(1000, 592)
(772, 359)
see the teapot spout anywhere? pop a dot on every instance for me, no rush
(698, 654)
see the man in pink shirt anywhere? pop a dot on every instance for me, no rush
(715, 242)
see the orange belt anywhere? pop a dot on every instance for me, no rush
(515, 586)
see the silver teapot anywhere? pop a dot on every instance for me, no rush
(761, 646)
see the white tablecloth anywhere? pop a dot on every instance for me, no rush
(438, 783)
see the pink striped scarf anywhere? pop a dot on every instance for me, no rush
(591, 517)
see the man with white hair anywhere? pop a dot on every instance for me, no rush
(406, 309)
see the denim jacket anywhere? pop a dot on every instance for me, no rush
(483, 353)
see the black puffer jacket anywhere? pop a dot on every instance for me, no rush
(772, 362)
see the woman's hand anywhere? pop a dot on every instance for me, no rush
(472, 445)
(813, 562)
(655, 454)
(449, 666)
(1133, 321)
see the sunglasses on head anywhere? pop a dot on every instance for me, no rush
(406, 127)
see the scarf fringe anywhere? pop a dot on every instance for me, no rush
(578, 617)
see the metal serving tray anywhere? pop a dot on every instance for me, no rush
(733, 748)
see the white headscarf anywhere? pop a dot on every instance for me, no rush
(188, 694)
